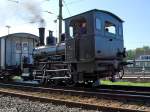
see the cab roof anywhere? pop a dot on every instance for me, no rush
(100, 11)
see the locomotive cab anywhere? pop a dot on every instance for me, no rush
(80, 41)
(95, 42)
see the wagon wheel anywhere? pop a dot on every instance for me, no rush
(6, 76)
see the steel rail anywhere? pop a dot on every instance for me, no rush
(99, 93)
(125, 87)
(67, 103)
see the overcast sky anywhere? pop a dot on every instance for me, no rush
(19, 15)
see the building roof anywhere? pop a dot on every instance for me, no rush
(101, 11)
(21, 35)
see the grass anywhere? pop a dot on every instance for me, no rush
(123, 83)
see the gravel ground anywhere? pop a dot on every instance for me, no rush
(15, 104)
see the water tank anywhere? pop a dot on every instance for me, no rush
(50, 40)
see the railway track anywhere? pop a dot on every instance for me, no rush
(126, 88)
(116, 94)
(69, 103)
(99, 93)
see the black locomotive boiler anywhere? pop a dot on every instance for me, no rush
(91, 48)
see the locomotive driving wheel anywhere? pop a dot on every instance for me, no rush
(53, 83)
(120, 74)
(71, 82)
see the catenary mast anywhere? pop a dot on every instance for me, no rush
(60, 19)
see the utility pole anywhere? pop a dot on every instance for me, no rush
(60, 19)
(8, 28)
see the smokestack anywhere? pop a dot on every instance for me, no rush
(42, 35)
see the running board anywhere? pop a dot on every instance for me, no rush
(58, 70)
(55, 78)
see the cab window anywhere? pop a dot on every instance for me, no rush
(110, 27)
(71, 31)
(98, 24)
(78, 28)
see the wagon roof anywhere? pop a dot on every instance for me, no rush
(22, 35)
(96, 10)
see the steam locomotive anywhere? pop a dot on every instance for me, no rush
(91, 48)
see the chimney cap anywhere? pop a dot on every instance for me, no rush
(51, 31)
(41, 27)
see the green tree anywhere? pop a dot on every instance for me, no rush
(135, 53)
(130, 54)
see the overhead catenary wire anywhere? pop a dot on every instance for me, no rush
(65, 4)
(16, 1)
(66, 7)
(74, 2)
(70, 3)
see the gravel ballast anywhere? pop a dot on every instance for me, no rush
(48, 107)
(15, 104)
